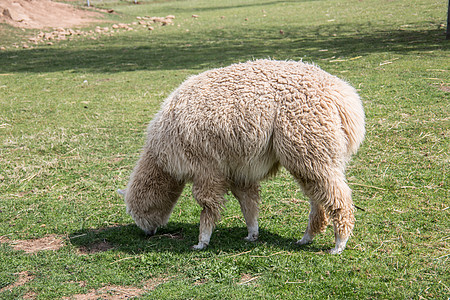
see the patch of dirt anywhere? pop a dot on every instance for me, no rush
(30, 295)
(24, 277)
(115, 292)
(51, 242)
(200, 281)
(247, 279)
(153, 283)
(110, 293)
(62, 34)
(445, 88)
(44, 14)
(175, 236)
(96, 247)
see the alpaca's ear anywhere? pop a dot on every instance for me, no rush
(122, 192)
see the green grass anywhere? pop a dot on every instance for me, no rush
(72, 123)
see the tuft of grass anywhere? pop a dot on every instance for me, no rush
(73, 119)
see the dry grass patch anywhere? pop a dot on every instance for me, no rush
(445, 88)
(24, 277)
(114, 292)
(247, 279)
(30, 295)
(101, 246)
(51, 242)
(109, 292)
(153, 283)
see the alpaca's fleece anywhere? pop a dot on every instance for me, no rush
(229, 128)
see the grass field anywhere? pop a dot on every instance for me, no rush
(72, 123)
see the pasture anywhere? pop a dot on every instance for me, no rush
(73, 116)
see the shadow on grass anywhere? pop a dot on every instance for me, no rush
(218, 47)
(223, 6)
(178, 238)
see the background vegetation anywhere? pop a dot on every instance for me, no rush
(72, 122)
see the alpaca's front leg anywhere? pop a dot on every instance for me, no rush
(206, 228)
(318, 222)
(210, 195)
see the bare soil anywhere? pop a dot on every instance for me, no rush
(40, 14)
(24, 277)
(96, 248)
(109, 292)
(49, 242)
(114, 292)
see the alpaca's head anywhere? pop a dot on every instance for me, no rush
(151, 193)
(148, 214)
(149, 223)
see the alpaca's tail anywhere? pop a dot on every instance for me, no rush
(352, 117)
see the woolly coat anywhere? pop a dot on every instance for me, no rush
(241, 121)
(229, 128)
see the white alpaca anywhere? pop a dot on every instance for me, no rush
(229, 128)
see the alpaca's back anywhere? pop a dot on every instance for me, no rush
(239, 119)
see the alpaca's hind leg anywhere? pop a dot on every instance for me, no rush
(248, 197)
(343, 223)
(210, 195)
(317, 223)
(341, 211)
(334, 195)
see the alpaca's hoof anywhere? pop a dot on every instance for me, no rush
(335, 251)
(251, 238)
(199, 246)
(305, 240)
(341, 242)
(150, 233)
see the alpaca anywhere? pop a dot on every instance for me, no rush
(227, 129)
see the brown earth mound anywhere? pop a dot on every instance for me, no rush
(44, 14)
